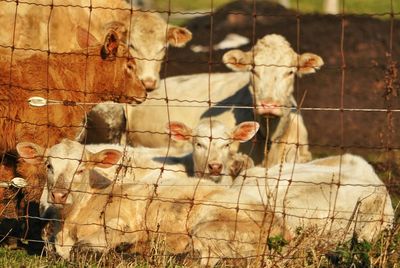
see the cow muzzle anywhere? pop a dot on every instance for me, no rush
(150, 84)
(59, 196)
(215, 169)
(269, 109)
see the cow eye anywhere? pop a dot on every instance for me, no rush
(49, 167)
(78, 172)
(132, 47)
(227, 145)
(289, 73)
(130, 67)
(198, 145)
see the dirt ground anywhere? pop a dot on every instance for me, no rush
(361, 71)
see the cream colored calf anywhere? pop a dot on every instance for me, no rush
(184, 214)
(337, 195)
(134, 165)
(264, 80)
(210, 159)
(212, 141)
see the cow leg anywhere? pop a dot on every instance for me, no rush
(64, 243)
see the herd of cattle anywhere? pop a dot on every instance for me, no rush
(212, 163)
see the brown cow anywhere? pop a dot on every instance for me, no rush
(97, 73)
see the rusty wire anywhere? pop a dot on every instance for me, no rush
(341, 145)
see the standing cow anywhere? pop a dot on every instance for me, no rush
(67, 82)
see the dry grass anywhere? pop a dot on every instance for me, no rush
(308, 249)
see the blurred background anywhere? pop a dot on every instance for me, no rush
(305, 6)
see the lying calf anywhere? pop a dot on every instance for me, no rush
(215, 147)
(186, 214)
(337, 195)
(215, 156)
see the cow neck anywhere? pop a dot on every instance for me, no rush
(80, 200)
(272, 128)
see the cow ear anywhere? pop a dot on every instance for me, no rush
(85, 39)
(245, 131)
(105, 158)
(238, 60)
(178, 36)
(97, 180)
(309, 63)
(110, 46)
(179, 131)
(32, 153)
(119, 28)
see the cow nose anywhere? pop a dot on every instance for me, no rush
(149, 84)
(59, 196)
(215, 168)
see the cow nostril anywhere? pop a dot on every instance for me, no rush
(215, 167)
(63, 197)
(59, 197)
(53, 196)
(149, 84)
(210, 167)
(219, 167)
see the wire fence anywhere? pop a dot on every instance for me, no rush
(126, 135)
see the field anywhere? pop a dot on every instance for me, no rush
(304, 6)
(351, 105)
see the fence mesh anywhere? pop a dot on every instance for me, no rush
(253, 135)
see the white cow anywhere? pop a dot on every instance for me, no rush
(183, 214)
(336, 195)
(264, 80)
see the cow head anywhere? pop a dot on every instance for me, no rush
(212, 142)
(149, 38)
(112, 62)
(273, 65)
(70, 169)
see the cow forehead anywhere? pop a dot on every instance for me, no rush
(147, 25)
(65, 154)
(274, 50)
(216, 130)
(64, 171)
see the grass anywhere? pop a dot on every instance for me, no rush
(307, 6)
(184, 5)
(307, 249)
(379, 9)
(10, 258)
(350, 6)
(19, 258)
